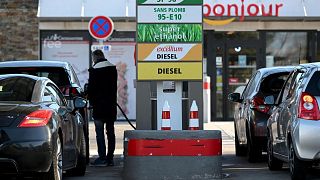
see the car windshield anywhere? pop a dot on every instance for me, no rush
(16, 89)
(58, 75)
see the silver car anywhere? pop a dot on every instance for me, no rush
(294, 126)
(250, 119)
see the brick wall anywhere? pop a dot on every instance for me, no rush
(18, 29)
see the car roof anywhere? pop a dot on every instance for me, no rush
(36, 78)
(276, 69)
(34, 63)
(311, 65)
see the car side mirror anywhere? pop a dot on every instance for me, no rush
(269, 100)
(234, 97)
(79, 103)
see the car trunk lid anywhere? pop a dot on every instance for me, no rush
(10, 112)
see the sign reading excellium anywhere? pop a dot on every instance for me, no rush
(169, 39)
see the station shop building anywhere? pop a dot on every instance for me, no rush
(239, 37)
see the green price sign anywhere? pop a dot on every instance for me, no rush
(153, 33)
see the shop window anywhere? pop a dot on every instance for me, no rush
(236, 35)
(232, 35)
(286, 48)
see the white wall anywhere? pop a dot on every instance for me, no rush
(127, 8)
(290, 8)
(87, 8)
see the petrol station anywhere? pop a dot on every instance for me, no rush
(169, 96)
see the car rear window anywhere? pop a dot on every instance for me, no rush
(16, 89)
(272, 84)
(58, 75)
(314, 84)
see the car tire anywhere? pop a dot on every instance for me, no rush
(254, 152)
(87, 146)
(80, 169)
(296, 166)
(274, 164)
(86, 119)
(55, 171)
(240, 150)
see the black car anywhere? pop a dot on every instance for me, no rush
(62, 74)
(39, 133)
(250, 119)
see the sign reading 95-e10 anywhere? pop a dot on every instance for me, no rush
(169, 14)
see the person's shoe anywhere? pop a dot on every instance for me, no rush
(110, 162)
(99, 162)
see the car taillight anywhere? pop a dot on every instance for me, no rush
(74, 91)
(69, 91)
(257, 103)
(308, 107)
(36, 119)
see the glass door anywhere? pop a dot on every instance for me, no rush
(232, 59)
(241, 63)
(219, 95)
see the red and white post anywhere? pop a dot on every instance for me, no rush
(194, 116)
(165, 123)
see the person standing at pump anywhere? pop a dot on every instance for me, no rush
(102, 94)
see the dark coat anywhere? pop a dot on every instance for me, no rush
(102, 91)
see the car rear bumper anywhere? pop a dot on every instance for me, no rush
(305, 138)
(26, 149)
(22, 157)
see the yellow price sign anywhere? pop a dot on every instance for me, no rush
(169, 71)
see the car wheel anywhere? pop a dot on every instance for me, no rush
(87, 148)
(240, 150)
(296, 166)
(254, 152)
(55, 171)
(81, 166)
(273, 163)
(86, 118)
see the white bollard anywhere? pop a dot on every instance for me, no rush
(206, 99)
(194, 116)
(165, 124)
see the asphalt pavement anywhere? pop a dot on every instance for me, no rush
(234, 168)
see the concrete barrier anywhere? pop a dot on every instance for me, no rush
(150, 154)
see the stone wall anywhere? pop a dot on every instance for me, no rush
(18, 30)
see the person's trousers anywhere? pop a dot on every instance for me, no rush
(99, 126)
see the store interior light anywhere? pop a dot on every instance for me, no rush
(237, 49)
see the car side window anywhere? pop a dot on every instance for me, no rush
(60, 97)
(281, 94)
(75, 77)
(48, 96)
(252, 85)
(249, 87)
(295, 84)
(290, 85)
(53, 93)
